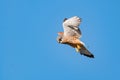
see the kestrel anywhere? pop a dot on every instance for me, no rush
(72, 34)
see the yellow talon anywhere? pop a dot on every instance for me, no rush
(77, 50)
(78, 46)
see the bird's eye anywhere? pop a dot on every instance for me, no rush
(60, 39)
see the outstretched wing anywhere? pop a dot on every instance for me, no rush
(70, 26)
(85, 52)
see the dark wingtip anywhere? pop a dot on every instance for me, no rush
(90, 56)
(64, 19)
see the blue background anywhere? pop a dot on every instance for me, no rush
(28, 46)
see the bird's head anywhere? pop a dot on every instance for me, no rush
(60, 36)
(59, 39)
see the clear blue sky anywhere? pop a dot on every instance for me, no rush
(28, 46)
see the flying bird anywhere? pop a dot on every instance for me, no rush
(72, 34)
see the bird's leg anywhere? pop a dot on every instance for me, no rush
(77, 48)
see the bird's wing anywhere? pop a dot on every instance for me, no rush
(85, 52)
(70, 26)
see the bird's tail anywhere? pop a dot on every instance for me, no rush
(83, 51)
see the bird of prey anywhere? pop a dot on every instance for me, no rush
(72, 34)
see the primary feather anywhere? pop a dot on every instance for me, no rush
(71, 26)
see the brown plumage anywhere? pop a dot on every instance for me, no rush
(71, 36)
